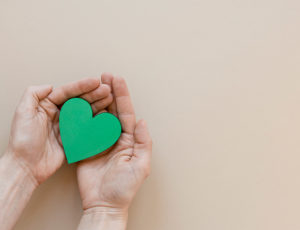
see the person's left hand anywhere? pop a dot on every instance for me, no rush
(35, 141)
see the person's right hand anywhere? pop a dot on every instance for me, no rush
(108, 182)
(35, 142)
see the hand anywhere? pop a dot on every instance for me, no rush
(35, 142)
(109, 182)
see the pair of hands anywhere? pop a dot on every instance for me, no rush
(107, 182)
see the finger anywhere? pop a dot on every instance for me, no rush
(142, 150)
(107, 78)
(102, 104)
(101, 111)
(99, 93)
(124, 105)
(33, 95)
(73, 89)
(141, 133)
(41, 92)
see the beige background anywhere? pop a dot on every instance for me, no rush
(218, 82)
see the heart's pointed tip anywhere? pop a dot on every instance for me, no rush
(71, 161)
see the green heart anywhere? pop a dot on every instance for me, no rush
(82, 134)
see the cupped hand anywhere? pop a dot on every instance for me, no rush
(35, 141)
(110, 181)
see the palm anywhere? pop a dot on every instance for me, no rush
(35, 137)
(114, 176)
(112, 179)
(48, 145)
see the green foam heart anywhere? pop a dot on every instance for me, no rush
(83, 135)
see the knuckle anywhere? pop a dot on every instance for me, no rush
(110, 98)
(147, 171)
(105, 88)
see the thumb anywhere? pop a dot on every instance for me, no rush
(33, 95)
(41, 91)
(141, 133)
(143, 147)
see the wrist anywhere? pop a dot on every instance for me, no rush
(16, 188)
(17, 168)
(104, 217)
(108, 211)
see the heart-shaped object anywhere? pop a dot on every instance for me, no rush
(83, 135)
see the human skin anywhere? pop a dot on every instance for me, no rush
(109, 182)
(35, 151)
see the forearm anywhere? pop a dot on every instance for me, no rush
(99, 218)
(16, 188)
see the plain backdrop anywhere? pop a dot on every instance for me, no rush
(218, 82)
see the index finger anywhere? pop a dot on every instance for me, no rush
(73, 89)
(124, 105)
